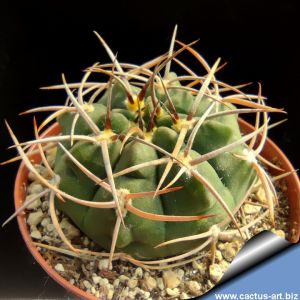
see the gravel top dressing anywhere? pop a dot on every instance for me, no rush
(90, 272)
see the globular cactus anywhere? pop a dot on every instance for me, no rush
(150, 168)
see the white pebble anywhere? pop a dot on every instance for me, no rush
(215, 272)
(70, 230)
(201, 267)
(45, 205)
(171, 279)
(261, 195)
(132, 283)
(96, 279)
(172, 292)
(219, 256)
(184, 295)
(250, 209)
(116, 283)
(124, 292)
(149, 283)
(87, 284)
(59, 268)
(138, 272)
(132, 294)
(40, 169)
(104, 282)
(35, 188)
(110, 294)
(35, 218)
(33, 205)
(36, 234)
(194, 287)
(230, 250)
(223, 265)
(160, 283)
(93, 290)
(45, 221)
(86, 241)
(72, 281)
(50, 227)
(123, 278)
(180, 273)
(103, 264)
(221, 246)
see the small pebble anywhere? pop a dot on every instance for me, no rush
(172, 292)
(40, 169)
(46, 221)
(103, 264)
(50, 227)
(280, 233)
(230, 250)
(219, 256)
(215, 272)
(201, 267)
(184, 295)
(194, 287)
(224, 265)
(132, 283)
(221, 246)
(250, 209)
(45, 206)
(160, 283)
(149, 283)
(125, 292)
(131, 294)
(70, 230)
(35, 218)
(116, 283)
(35, 188)
(123, 278)
(110, 294)
(96, 279)
(59, 268)
(171, 279)
(261, 195)
(86, 241)
(36, 234)
(180, 274)
(104, 282)
(35, 204)
(87, 284)
(93, 290)
(138, 272)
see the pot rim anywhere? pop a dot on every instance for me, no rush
(270, 151)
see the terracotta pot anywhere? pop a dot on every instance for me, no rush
(270, 152)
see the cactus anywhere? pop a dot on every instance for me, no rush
(148, 167)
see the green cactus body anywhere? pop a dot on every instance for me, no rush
(230, 176)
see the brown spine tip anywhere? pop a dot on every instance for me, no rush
(108, 122)
(189, 116)
(142, 93)
(130, 98)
